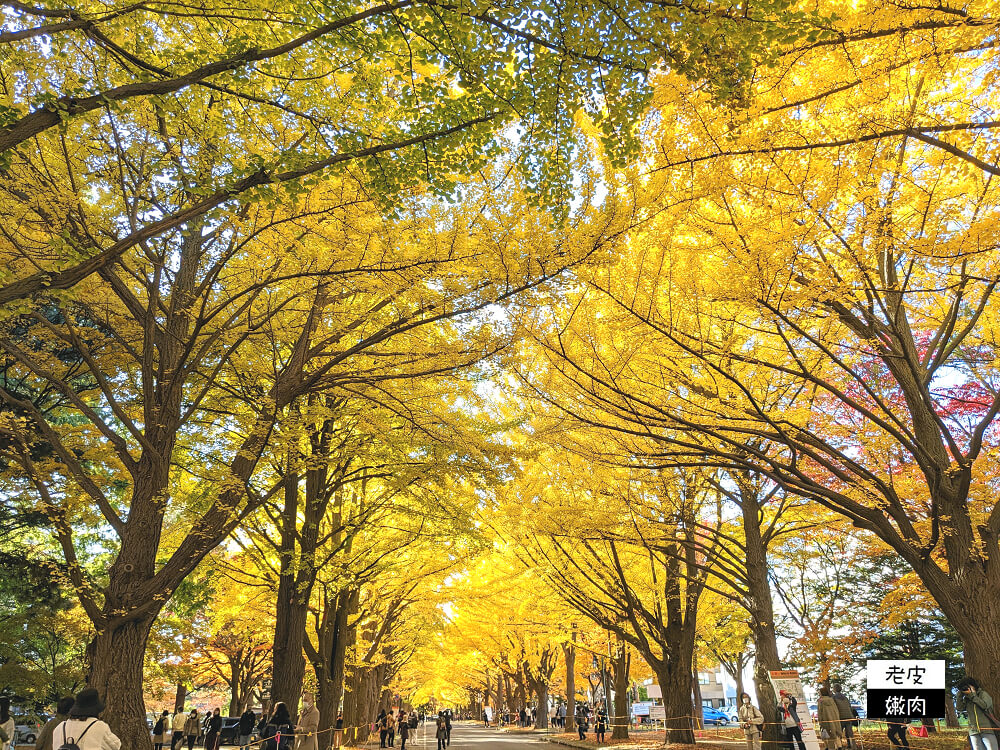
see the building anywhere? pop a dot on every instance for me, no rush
(717, 689)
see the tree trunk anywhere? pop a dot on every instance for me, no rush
(761, 610)
(950, 714)
(975, 615)
(179, 697)
(542, 704)
(116, 662)
(696, 691)
(289, 667)
(674, 677)
(620, 716)
(235, 694)
(569, 654)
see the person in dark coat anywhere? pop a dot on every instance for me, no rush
(441, 733)
(847, 714)
(447, 726)
(600, 724)
(383, 729)
(278, 733)
(214, 730)
(404, 730)
(44, 741)
(245, 728)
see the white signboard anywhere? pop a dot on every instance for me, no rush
(906, 689)
(890, 674)
(789, 681)
(657, 713)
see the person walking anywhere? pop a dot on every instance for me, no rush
(404, 731)
(278, 733)
(84, 725)
(581, 722)
(177, 722)
(847, 714)
(390, 728)
(160, 731)
(244, 729)
(441, 732)
(213, 730)
(897, 734)
(829, 719)
(191, 728)
(751, 721)
(7, 727)
(983, 726)
(789, 719)
(308, 724)
(447, 727)
(44, 740)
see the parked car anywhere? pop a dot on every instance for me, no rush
(230, 730)
(711, 715)
(732, 712)
(27, 727)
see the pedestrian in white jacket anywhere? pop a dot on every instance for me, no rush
(84, 725)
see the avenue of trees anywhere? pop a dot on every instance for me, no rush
(448, 350)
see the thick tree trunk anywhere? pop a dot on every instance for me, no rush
(235, 694)
(674, 677)
(620, 716)
(289, 665)
(116, 662)
(329, 659)
(179, 697)
(542, 704)
(569, 654)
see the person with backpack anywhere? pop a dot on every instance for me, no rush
(278, 733)
(84, 730)
(441, 733)
(160, 731)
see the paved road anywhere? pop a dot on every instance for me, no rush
(476, 737)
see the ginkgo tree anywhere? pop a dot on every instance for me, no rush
(813, 297)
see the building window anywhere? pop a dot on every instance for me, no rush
(704, 678)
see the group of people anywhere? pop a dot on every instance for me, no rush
(274, 727)
(837, 719)
(389, 724)
(585, 716)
